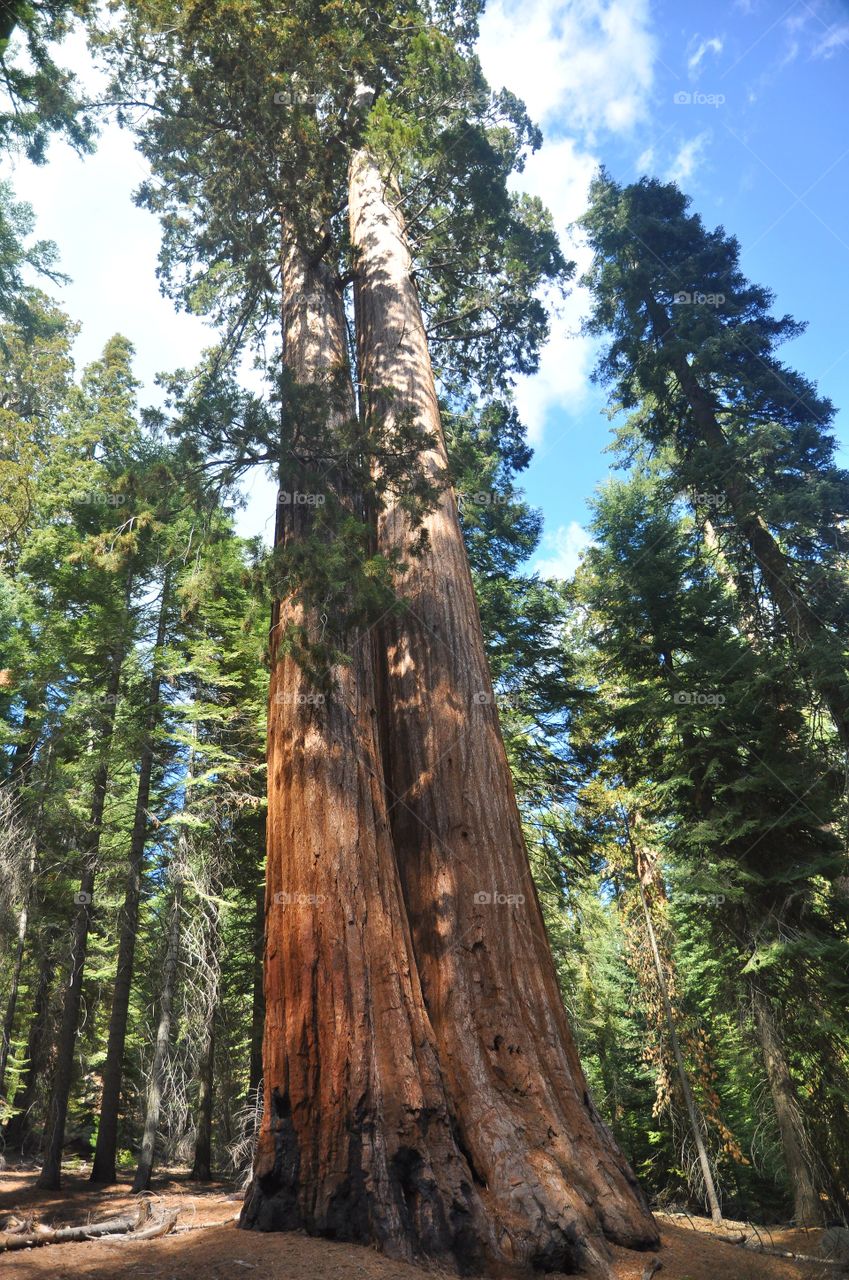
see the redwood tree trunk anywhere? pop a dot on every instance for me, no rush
(807, 1205)
(103, 1168)
(553, 1179)
(51, 1171)
(357, 1141)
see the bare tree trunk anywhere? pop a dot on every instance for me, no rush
(202, 1165)
(103, 1168)
(17, 964)
(357, 1141)
(683, 1079)
(37, 1045)
(553, 1178)
(258, 997)
(141, 1182)
(21, 764)
(51, 1171)
(807, 1205)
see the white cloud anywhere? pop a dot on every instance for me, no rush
(109, 249)
(713, 45)
(688, 158)
(834, 40)
(566, 545)
(589, 61)
(107, 245)
(560, 174)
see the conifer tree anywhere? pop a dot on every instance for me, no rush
(409, 90)
(694, 344)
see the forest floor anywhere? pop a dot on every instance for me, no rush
(207, 1246)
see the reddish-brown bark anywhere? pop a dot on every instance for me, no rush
(551, 1175)
(356, 1140)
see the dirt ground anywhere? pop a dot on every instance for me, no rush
(207, 1246)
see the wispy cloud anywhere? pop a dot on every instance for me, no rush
(713, 45)
(566, 545)
(688, 158)
(835, 40)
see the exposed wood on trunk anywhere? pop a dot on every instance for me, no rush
(103, 1167)
(356, 1139)
(553, 1178)
(807, 1206)
(51, 1170)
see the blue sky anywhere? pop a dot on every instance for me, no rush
(744, 104)
(760, 143)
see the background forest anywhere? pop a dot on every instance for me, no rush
(676, 715)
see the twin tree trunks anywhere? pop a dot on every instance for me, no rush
(422, 1086)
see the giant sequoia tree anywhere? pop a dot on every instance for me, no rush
(422, 1088)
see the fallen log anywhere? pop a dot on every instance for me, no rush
(796, 1257)
(162, 1228)
(737, 1239)
(40, 1235)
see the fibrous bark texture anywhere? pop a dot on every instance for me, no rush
(356, 1140)
(554, 1182)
